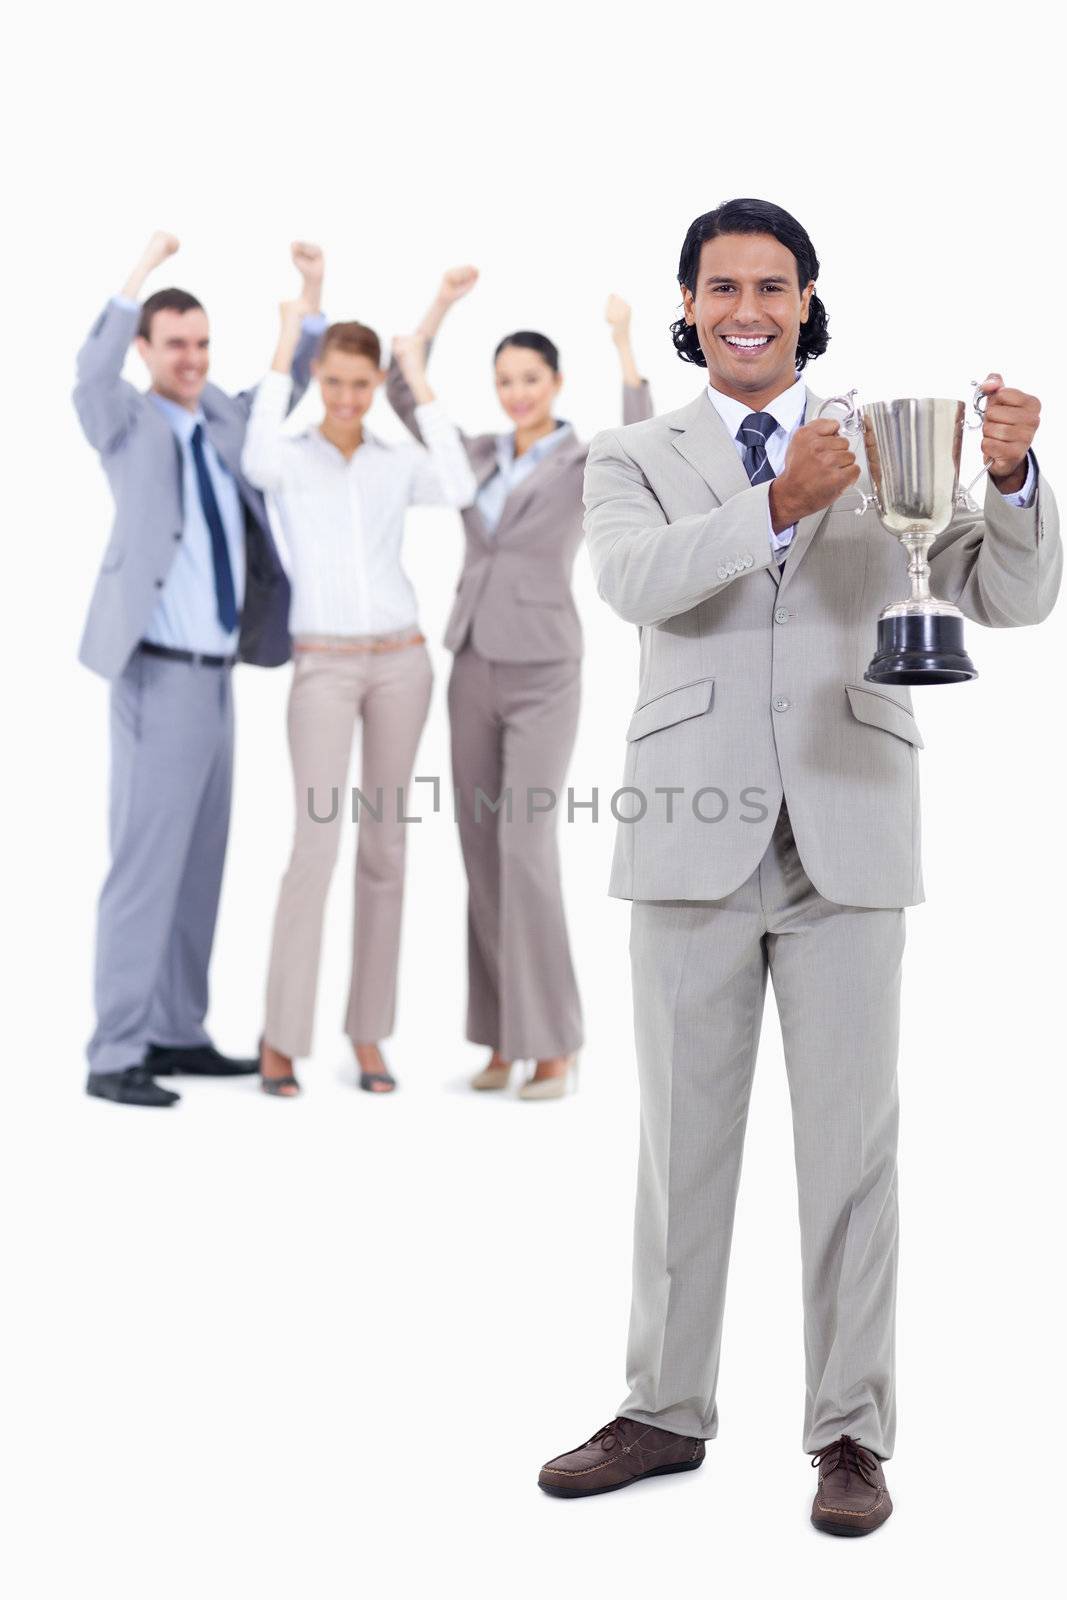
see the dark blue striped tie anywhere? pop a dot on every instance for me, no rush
(753, 434)
(225, 595)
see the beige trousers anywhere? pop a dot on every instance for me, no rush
(331, 690)
(700, 971)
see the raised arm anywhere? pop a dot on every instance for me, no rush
(442, 475)
(309, 261)
(266, 447)
(456, 282)
(648, 569)
(104, 402)
(636, 395)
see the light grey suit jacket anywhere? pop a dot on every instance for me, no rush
(751, 683)
(513, 598)
(142, 460)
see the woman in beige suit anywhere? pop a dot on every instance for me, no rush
(513, 697)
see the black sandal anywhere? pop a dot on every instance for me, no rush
(276, 1085)
(370, 1080)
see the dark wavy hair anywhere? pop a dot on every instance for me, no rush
(752, 216)
(525, 340)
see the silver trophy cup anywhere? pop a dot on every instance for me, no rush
(913, 450)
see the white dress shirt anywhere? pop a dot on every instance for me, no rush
(787, 409)
(511, 470)
(342, 521)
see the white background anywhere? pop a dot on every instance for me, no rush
(257, 1349)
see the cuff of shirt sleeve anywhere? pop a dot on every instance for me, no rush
(779, 541)
(1024, 497)
(314, 322)
(124, 302)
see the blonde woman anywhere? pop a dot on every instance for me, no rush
(341, 494)
(513, 695)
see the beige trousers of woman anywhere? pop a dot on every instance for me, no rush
(337, 682)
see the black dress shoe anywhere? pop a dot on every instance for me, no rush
(197, 1061)
(133, 1087)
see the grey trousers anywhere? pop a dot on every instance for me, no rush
(513, 728)
(171, 771)
(699, 977)
(332, 690)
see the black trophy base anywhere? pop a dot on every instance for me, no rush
(917, 649)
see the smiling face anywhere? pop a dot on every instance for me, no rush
(176, 355)
(347, 383)
(526, 386)
(747, 310)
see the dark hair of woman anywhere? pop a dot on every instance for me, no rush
(752, 216)
(525, 340)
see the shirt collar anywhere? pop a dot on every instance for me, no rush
(505, 445)
(786, 408)
(181, 420)
(323, 443)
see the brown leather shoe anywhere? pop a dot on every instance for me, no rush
(852, 1497)
(619, 1454)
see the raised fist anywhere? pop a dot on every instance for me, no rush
(819, 466)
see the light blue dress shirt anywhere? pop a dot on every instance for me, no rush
(186, 614)
(510, 472)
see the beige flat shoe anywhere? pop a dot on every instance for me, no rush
(552, 1088)
(492, 1077)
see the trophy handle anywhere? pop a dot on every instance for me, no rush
(852, 421)
(965, 500)
(851, 425)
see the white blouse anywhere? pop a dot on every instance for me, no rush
(343, 520)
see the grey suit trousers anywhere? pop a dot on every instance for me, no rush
(513, 729)
(699, 978)
(171, 772)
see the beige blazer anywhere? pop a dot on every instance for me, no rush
(751, 684)
(513, 598)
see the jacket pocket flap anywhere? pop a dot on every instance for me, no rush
(540, 592)
(673, 705)
(870, 705)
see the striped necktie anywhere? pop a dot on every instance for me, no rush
(753, 434)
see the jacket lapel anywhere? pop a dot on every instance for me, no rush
(543, 474)
(481, 453)
(704, 440)
(808, 526)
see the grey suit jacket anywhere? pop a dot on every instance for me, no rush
(751, 684)
(142, 460)
(514, 595)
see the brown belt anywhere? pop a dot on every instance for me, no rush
(371, 642)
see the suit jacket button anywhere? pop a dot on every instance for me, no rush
(159, 583)
(178, 534)
(781, 703)
(781, 615)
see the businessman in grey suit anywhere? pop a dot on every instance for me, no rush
(773, 826)
(190, 582)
